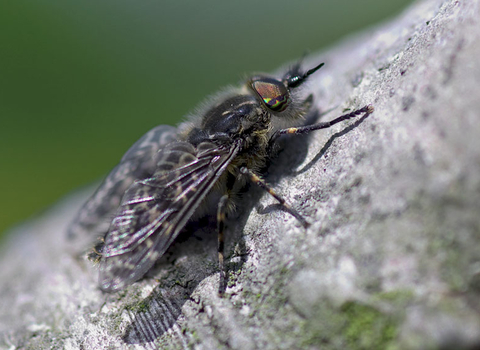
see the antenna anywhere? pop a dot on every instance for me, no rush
(299, 79)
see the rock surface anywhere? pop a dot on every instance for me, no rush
(391, 261)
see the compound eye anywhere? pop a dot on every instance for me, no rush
(273, 93)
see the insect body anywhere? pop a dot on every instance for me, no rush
(171, 176)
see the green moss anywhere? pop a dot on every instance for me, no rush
(168, 341)
(397, 298)
(353, 326)
(137, 307)
(367, 328)
(233, 278)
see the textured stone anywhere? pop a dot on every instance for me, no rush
(392, 259)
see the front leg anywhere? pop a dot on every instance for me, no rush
(308, 128)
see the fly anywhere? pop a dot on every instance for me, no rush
(174, 175)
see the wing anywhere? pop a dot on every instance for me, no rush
(138, 163)
(154, 210)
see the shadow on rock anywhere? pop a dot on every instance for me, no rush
(191, 259)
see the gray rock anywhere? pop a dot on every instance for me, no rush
(391, 261)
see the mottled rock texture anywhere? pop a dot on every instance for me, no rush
(391, 261)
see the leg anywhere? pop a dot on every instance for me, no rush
(306, 129)
(260, 182)
(221, 216)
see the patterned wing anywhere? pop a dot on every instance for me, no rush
(154, 210)
(138, 163)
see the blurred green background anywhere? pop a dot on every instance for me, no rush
(80, 81)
